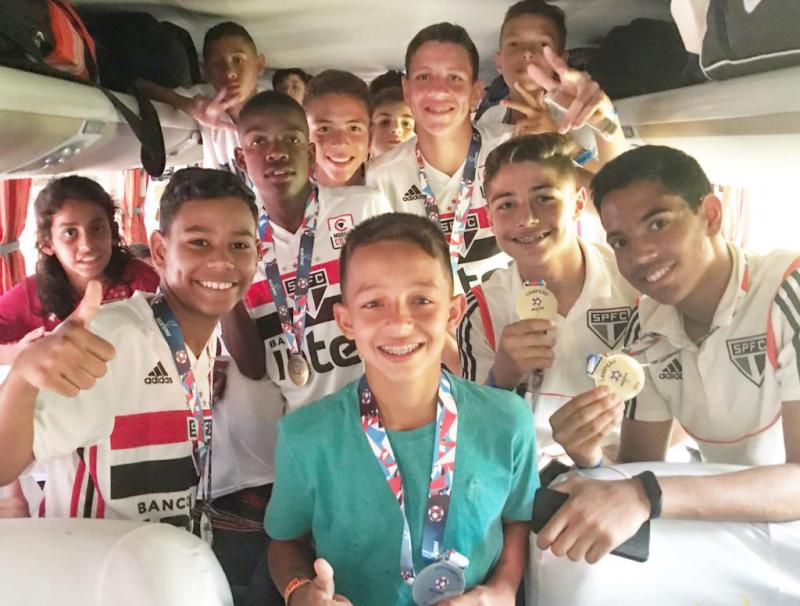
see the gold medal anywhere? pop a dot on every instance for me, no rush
(622, 374)
(536, 302)
(298, 369)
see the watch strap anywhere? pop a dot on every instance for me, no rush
(653, 491)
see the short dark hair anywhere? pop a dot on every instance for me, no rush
(281, 74)
(223, 30)
(538, 7)
(391, 79)
(338, 82)
(195, 183)
(678, 174)
(445, 33)
(398, 227)
(547, 149)
(392, 94)
(140, 250)
(272, 99)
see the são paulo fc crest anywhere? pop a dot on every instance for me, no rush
(608, 324)
(749, 355)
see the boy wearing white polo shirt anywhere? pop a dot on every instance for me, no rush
(534, 205)
(438, 173)
(128, 437)
(722, 330)
(286, 327)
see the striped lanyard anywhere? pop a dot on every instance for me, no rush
(168, 324)
(442, 467)
(464, 197)
(293, 323)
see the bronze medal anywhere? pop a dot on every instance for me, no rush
(621, 373)
(298, 369)
(536, 302)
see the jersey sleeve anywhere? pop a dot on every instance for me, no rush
(474, 349)
(143, 277)
(783, 337)
(290, 510)
(524, 474)
(649, 405)
(17, 318)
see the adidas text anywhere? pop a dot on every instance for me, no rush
(157, 376)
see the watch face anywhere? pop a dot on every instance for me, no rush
(437, 582)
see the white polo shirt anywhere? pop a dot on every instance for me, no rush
(396, 174)
(728, 392)
(331, 356)
(595, 324)
(123, 449)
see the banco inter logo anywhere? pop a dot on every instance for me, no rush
(157, 375)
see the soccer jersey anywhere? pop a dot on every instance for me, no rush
(396, 174)
(21, 309)
(329, 483)
(595, 324)
(331, 356)
(123, 449)
(728, 391)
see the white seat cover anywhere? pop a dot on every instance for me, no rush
(691, 563)
(104, 562)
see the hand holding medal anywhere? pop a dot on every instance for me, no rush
(621, 373)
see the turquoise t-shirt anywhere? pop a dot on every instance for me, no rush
(329, 483)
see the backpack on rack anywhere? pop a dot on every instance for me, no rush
(50, 38)
(133, 45)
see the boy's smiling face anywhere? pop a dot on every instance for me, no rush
(398, 319)
(440, 87)
(522, 43)
(275, 151)
(232, 63)
(533, 211)
(208, 257)
(339, 128)
(663, 247)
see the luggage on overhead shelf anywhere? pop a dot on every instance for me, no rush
(50, 38)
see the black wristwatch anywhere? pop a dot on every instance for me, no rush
(653, 491)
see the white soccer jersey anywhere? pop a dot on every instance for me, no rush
(123, 449)
(728, 392)
(396, 174)
(595, 324)
(331, 356)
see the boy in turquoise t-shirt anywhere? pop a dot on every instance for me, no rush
(332, 491)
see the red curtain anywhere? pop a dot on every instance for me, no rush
(14, 198)
(133, 229)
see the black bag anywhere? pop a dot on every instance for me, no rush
(133, 45)
(740, 42)
(27, 38)
(643, 57)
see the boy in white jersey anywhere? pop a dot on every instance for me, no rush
(339, 109)
(532, 61)
(233, 65)
(438, 172)
(298, 219)
(534, 204)
(116, 403)
(723, 333)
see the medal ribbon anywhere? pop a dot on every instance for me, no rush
(442, 467)
(536, 378)
(293, 323)
(168, 324)
(464, 197)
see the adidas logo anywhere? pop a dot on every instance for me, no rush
(157, 375)
(673, 370)
(412, 194)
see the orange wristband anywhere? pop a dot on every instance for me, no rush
(292, 586)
